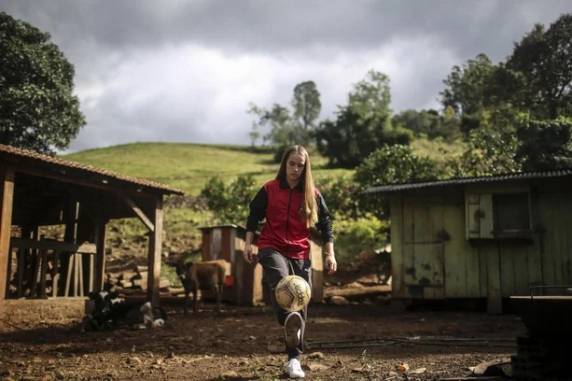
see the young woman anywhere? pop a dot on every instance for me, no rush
(291, 205)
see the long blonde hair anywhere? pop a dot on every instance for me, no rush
(310, 207)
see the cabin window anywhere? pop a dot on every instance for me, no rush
(511, 212)
(503, 215)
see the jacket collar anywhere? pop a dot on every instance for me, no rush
(284, 185)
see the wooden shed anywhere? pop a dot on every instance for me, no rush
(481, 237)
(38, 190)
(227, 242)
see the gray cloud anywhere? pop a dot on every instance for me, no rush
(186, 70)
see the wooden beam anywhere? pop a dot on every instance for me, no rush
(47, 244)
(154, 258)
(6, 205)
(140, 214)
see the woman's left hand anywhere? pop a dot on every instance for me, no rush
(330, 263)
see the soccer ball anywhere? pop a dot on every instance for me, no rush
(293, 293)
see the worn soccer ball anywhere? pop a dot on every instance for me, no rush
(293, 293)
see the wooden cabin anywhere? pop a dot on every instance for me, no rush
(245, 285)
(481, 237)
(38, 190)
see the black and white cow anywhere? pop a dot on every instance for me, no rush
(106, 310)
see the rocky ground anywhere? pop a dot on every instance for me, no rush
(365, 341)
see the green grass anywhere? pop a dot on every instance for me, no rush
(437, 149)
(188, 166)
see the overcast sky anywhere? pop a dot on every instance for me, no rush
(186, 71)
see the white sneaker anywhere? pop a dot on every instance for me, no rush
(293, 326)
(294, 369)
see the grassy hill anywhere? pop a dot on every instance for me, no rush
(188, 166)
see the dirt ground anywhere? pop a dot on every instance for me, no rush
(351, 342)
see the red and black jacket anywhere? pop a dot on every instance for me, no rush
(285, 229)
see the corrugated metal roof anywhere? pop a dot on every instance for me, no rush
(29, 154)
(470, 180)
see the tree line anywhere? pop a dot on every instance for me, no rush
(511, 116)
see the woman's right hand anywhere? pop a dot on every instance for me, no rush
(249, 255)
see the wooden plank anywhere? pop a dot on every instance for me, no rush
(461, 259)
(100, 232)
(486, 215)
(226, 243)
(6, 205)
(154, 258)
(9, 269)
(555, 243)
(91, 275)
(216, 243)
(534, 254)
(317, 272)
(80, 276)
(43, 273)
(494, 288)
(514, 269)
(397, 229)
(21, 270)
(34, 290)
(139, 213)
(75, 274)
(206, 245)
(70, 263)
(56, 277)
(425, 265)
(472, 224)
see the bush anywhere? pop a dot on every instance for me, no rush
(341, 195)
(229, 203)
(357, 240)
(390, 165)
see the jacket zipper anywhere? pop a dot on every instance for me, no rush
(288, 213)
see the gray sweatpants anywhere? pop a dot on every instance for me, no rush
(275, 267)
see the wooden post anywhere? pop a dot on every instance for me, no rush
(43, 272)
(100, 253)
(154, 258)
(70, 235)
(6, 204)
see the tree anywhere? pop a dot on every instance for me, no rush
(465, 86)
(390, 165)
(371, 97)
(541, 60)
(285, 127)
(361, 126)
(395, 164)
(429, 123)
(490, 148)
(306, 104)
(545, 145)
(37, 107)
